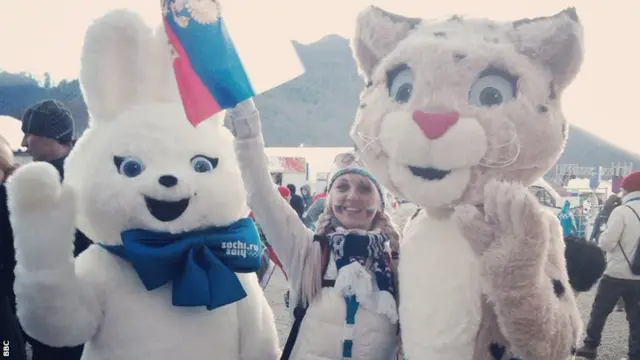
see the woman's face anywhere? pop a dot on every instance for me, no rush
(354, 201)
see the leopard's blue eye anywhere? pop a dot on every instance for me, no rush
(400, 83)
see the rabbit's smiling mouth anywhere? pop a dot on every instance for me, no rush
(166, 211)
(429, 173)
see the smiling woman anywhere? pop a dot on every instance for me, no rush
(331, 270)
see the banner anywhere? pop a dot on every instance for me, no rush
(287, 165)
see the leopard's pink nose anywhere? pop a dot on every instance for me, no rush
(434, 125)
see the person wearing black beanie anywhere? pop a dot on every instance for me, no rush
(49, 135)
(49, 132)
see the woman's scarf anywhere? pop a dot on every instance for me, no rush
(363, 260)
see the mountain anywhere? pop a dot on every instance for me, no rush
(315, 109)
(19, 91)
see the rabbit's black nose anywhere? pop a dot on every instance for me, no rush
(168, 180)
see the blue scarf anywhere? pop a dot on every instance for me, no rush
(200, 264)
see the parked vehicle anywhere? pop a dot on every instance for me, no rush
(547, 195)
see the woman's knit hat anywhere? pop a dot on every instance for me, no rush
(347, 163)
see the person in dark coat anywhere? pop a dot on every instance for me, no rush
(305, 193)
(9, 326)
(603, 216)
(296, 200)
(49, 135)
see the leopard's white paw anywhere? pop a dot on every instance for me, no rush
(513, 210)
(471, 221)
(521, 231)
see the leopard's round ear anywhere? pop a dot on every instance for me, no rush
(554, 42)
(377, 33)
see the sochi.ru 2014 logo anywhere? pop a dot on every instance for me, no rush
(240, 249)
(5, 348)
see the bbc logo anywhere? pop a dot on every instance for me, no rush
(5, 348)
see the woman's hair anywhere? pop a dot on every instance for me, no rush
(7, 160)
(312, 273)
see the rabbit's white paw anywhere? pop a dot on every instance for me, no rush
(34, 186)
(42, 215)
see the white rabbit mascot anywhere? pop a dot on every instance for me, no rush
(171, 274)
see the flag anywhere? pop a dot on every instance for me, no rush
(210, 74)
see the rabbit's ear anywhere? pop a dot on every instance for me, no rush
(165, 86)
(114, 72)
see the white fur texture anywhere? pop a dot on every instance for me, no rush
(98, 297)
(441, 323)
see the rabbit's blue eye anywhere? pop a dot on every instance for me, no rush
(129, 166)
(203, 164)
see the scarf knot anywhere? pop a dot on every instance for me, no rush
(200, 264)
